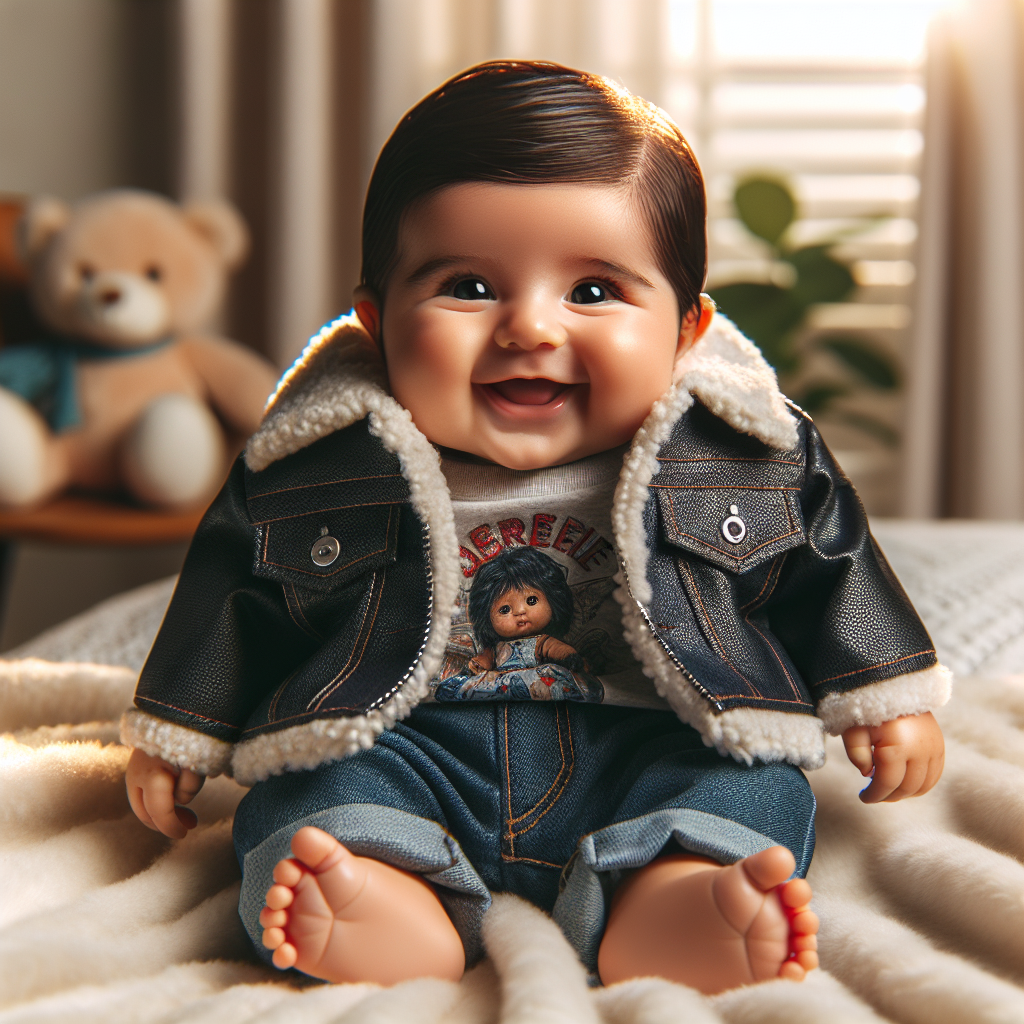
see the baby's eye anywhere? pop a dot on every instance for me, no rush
(588, 293)
(532, 599)
(504, 609)
(470, 288)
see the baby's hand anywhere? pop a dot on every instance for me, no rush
(155, 787)
(907, 756)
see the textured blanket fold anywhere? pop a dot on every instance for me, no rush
(922, 902)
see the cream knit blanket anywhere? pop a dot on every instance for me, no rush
(922, 902)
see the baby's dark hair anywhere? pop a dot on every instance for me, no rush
(532, 123)
(517, 569)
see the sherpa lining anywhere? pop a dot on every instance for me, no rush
(338, 381)
(185, 748)
(334, 384)
(910, 694)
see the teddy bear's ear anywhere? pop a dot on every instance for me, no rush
(222, 226)
(41, 220)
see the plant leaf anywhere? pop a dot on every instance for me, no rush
(766, 206)
(869, 425)
(869, 363)
(766, 314)
(820, 277)
(817, 397)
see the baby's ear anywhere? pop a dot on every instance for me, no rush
(367, 307)
(693, 328)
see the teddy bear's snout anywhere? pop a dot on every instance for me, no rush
(125, 307)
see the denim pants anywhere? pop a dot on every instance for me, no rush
(552, 801)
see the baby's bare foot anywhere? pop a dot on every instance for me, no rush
(691, 920)
(340, 917)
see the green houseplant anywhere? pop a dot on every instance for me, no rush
(774, 313)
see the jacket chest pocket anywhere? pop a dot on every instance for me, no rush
(323, 551)
(731, 526)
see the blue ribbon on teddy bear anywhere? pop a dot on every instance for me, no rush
(45, 373)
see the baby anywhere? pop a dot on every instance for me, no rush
(532, 373)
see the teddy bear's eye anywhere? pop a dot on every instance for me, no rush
(154, 273)
(86, 272)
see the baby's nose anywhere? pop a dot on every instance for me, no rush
(528, 327)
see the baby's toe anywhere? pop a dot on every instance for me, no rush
(273, 938)
(769, 868)
(808, 960)
(279, 896)
(790, 970)
(285, 956)
(317, 849)
(273, 918)
(804, 923)
(796, 893)
(287, 872)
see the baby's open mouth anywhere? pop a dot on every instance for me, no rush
(529, 391)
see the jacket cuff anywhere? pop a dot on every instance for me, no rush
(184, 748)
(913, 693)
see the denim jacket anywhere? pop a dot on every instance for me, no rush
(315, 602)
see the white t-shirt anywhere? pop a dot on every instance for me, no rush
(564, 514)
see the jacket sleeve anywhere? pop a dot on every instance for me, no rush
(226, 641)
(843, 616)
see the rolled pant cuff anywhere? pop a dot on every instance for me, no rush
(595, 870)
(395, 837)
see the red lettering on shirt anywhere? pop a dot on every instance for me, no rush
(485, 541)
(511, 532)
(570, 530)
(474, 562)
(541, 535)
(599, 549)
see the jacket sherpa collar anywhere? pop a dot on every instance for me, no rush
(338, 381)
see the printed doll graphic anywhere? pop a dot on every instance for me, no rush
(520, 607)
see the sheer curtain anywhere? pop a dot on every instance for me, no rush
(964, 448)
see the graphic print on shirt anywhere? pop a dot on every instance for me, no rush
(535, 618)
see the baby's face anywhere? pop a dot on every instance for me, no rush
(520, 613)
(530, 324)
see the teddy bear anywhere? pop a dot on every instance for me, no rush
(124, 392)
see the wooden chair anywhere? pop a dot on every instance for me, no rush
(72, 518)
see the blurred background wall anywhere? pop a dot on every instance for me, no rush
(282, 105)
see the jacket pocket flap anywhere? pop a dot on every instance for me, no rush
(324, 550)
(734, 528)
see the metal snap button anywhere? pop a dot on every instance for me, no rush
(734, 530)
(325, 550)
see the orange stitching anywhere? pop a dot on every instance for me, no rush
(880, 664)
(333, 572)
(707, 618)
(508, 788)
(771, 647)
(331, 508)
(737, 558)
(185, 711)
(719, 487)
(307, 628)
(767, 580)
(366, 640)
(561, 768)
(731, 458)
(558, 795)
(318, 697)
(325, 483)
(532, 860)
